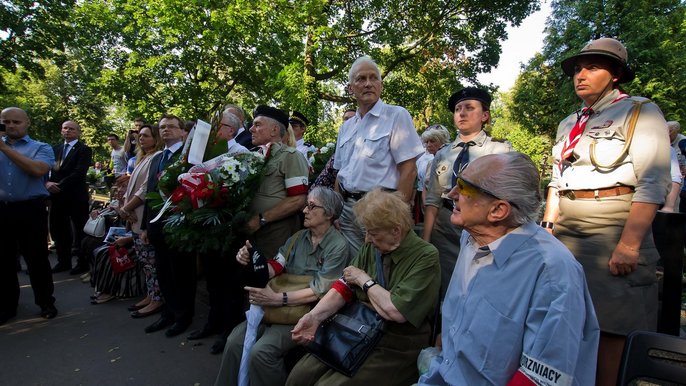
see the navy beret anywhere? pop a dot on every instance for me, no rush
(469, 93)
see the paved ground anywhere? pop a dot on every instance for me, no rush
(98, 344)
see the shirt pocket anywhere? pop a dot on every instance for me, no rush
(492, 338)
(375, 145)
(608, 143)
(444, 174)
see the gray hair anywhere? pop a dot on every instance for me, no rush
(331, 200)
(238, 109)
(517, 181)
(231, 119)
(282, 128)
(674, 125)
(359, 61)
(437, 133)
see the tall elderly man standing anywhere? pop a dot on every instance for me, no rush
(283, 191)
(375, 148)
(24, 167)
(69, 196)
(517, 310)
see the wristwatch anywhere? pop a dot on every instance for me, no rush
(263, 222)
(368, 284)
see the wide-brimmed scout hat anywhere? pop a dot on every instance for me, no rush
(605, 47)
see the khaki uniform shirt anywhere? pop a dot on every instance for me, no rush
(441, 175)
(284, 175)
(645, 167)
(324, 263)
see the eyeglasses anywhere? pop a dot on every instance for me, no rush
(311, 206)
(470, 189)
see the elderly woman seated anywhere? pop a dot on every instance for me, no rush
(320, 252)
(412, 273)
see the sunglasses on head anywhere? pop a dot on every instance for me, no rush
(471, 190)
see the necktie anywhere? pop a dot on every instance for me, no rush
(64, 153)
(166, 154)
(462, 160)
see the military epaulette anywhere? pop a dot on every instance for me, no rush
(307, 144)
(501, 140)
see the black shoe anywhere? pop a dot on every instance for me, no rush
(218, 346)
(6, 316)
(60, 268)
(177, 328)
(48, 312)
(202, 333)
(79, 269)
(160, 324)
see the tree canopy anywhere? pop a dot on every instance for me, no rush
(143, 58)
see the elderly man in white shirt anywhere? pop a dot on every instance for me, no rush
(228, 127)
(376, 148)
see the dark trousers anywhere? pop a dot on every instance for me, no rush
(24, 230)
(63, 213)
(176, 273)
(226, 293)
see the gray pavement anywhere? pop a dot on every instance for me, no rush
(98, 344)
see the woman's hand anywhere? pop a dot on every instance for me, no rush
(356, 276)
(123, 241)
(243, 256)
(303, 332)
(95, 213)
(624, 260)
(264, 296)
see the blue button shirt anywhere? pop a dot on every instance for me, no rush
(16, 184)
(528, 311)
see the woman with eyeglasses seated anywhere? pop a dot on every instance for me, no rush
(406, 301)
(319, 251)
(471, 113)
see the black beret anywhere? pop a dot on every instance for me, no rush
(469, 93)
(271, 112)
(298, 117)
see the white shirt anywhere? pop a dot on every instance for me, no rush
(71, 145)
(235, 147)
(423, 163)
(369, 148)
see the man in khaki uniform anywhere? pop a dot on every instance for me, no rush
(470, 107)
(283, 191)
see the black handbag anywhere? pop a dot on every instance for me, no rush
(347, 338)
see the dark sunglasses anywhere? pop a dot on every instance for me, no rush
(471, 190)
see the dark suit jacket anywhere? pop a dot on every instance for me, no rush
(71, 173)
(245, 139)
(155, 229)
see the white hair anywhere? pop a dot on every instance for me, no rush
(359, 61)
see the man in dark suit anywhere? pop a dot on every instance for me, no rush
(243, 135)
(69, 196)
(175, 269)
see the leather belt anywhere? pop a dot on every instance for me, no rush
(23, 203)
(353, 195)
(448, 204)
(597, 193)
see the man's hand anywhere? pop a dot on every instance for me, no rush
(303, 332)
(624, 260)
(144, 237)
(53, 187)
(253, 224)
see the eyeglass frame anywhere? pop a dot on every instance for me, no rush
(311, 206)
(478, 188)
